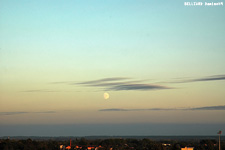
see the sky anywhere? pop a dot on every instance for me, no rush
(161, 62)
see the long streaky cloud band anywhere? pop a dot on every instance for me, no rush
(119, 84)
(209, 108)
(137, 87)
(128, 84)
(222, 107)
(25, 112)
(203, 79)
(104, 80)
(123, 83)
(211, 78)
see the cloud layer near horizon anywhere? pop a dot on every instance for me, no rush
(25, 112)
(222, 107)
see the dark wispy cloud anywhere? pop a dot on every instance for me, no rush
(222, 107)
(25, 112)
(104, 80)
(203, 79)
(210, 108)
(127, 84)
(210, 78)
(122, 84)
(12, 113)
(137, 87)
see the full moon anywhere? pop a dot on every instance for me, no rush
(106, 95)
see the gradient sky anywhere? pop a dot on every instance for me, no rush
(160, 61)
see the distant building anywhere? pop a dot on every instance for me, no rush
(94, 147)
(62, 147)
(69, 147)
(188, 148)
(164, 144)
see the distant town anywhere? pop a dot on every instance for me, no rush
(114, 143)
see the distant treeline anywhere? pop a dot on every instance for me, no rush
(155, 138)
(107, 144)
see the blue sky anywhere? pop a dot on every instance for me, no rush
(161, 61)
